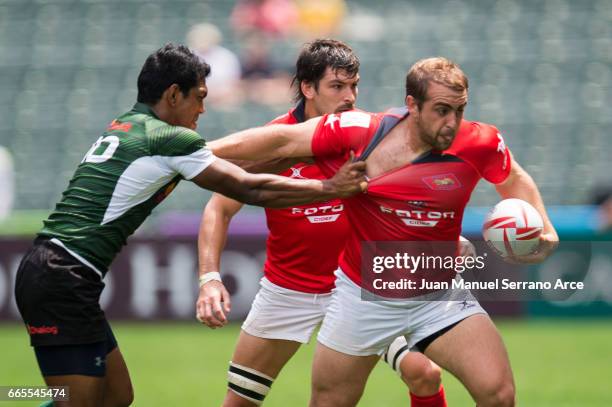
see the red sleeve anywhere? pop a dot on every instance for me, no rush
(337, 134)
(483, 147)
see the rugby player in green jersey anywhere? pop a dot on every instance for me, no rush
(128, 171)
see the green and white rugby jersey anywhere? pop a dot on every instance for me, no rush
(130, 169)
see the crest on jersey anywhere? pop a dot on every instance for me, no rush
(442, 182)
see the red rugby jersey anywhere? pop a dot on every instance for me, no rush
(421, 201)
(305, 241)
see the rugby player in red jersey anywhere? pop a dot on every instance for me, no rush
(303, 248)
(406, 150)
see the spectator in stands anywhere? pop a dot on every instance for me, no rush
(276, 18)
(224, 81)
(264, 80)
(320, 18)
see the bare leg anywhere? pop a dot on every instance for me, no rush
(267, 356)
(338, 379)
(118, 391)
(473, 351)
(85, 391)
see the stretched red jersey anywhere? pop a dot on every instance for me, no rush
(421, 201)
(305, 241)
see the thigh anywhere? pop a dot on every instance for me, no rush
(267, 356)
(118, 390)
(338, 379)
(85, 391)
(473, 351)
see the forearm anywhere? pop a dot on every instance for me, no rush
(212, 235)
(279, 192)
(274, 166)
(522, 186)
(276, 191)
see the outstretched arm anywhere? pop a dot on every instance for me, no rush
(274, 191)
(519, 184)
(268, 142)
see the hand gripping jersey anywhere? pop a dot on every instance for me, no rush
(130, 169)
(421, 201)
(304, 241)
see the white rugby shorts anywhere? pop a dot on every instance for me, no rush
(357, 327)
(281, 313)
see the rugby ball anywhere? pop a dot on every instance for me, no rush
(512, 228)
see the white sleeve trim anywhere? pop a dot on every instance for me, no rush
(191, 165)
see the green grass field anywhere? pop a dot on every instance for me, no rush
(556, 363)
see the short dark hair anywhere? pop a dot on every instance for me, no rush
(168, 65)
(314, 59)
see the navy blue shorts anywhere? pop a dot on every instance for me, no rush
(58, 298)
(87, 359)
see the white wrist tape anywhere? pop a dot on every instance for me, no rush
(210, 276)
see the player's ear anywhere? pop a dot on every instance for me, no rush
(171, 94)
(308, 89)
(412, 104)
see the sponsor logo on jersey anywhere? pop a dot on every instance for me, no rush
(42, 330)
(115, 125)
(320, 214)
(419, 204)
(418, 218)
(297, 173)
(442, 182)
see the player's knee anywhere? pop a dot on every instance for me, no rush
(325, 393)
(422, 376)
(127, 398)
(249, 384)
(501, 395)
(123, 398)
(326, 396)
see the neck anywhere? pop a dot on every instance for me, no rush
(413, 138)
(160, 111)
(310, 111)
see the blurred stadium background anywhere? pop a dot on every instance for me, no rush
(541, 71)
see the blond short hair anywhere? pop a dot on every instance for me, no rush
(437, 69)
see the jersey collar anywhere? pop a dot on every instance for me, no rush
(299, 111)
(390, 119)
(144, 108)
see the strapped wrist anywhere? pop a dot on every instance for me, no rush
(210, 276)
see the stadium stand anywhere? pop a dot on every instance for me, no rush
(540, 71)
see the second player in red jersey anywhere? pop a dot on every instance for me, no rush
(297, 257)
